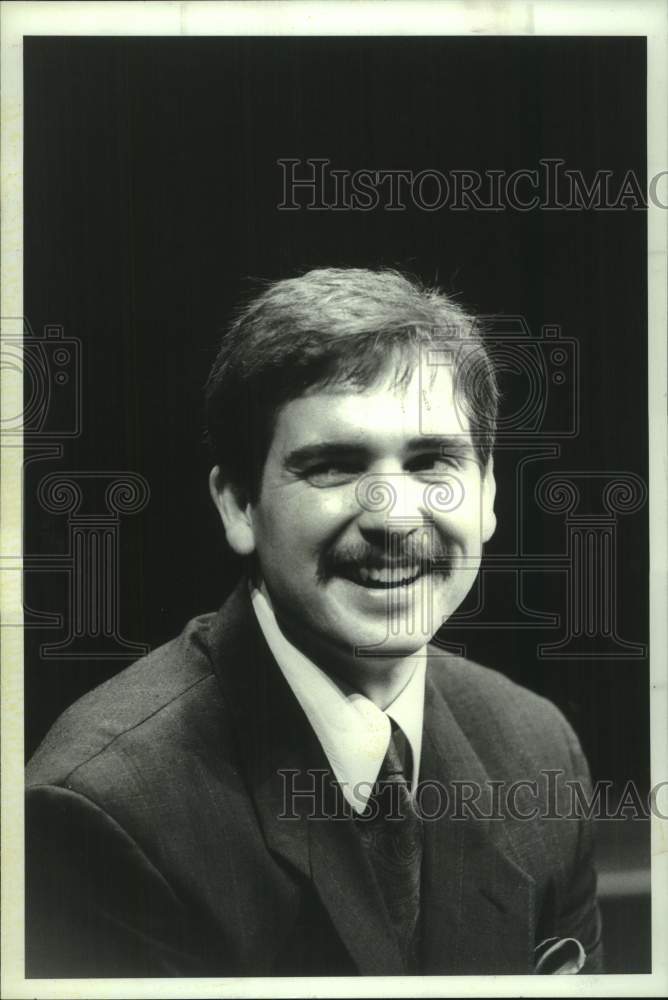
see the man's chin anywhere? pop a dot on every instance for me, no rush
(380, 624)
(390, 648)
(410, 613)
(347, 622)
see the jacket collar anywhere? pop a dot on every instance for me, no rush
(476, 902)
(343, 719)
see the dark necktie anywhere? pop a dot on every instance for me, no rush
(391, 831)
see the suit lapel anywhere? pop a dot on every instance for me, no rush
(477, 904)
(348, 889)
(301, 808)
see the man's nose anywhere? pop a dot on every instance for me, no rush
(391, 500)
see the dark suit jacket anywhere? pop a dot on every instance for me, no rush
(155, 845)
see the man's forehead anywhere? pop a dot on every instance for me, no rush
(422, 405)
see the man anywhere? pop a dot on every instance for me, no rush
(301, 784)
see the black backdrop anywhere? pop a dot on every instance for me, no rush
(151, 189)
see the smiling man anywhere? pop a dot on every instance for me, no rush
(342, 571)
(301, 784)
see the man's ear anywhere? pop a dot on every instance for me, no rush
(488, 493)
(234, 512)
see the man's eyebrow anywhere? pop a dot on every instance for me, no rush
(453, 444)
(322, 450)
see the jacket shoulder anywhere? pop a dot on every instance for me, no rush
(151, 694)
(497, 714)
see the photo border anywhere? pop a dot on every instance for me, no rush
(299, 17)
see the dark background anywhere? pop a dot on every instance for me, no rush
(151, 187)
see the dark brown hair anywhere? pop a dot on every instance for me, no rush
(335, 326)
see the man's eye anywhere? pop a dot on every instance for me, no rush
(437, 464)
(331, 474)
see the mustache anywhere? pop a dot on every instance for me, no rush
(432, 558)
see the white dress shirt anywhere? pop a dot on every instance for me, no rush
(353, 732)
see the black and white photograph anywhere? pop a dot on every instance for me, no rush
(334, 543)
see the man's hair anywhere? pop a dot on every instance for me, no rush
(336, 327)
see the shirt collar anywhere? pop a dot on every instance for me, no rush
(352, 730)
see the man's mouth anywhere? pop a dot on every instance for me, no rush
(384, 577)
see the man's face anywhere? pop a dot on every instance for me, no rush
(371, 516)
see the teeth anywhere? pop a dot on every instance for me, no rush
(389, 575)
